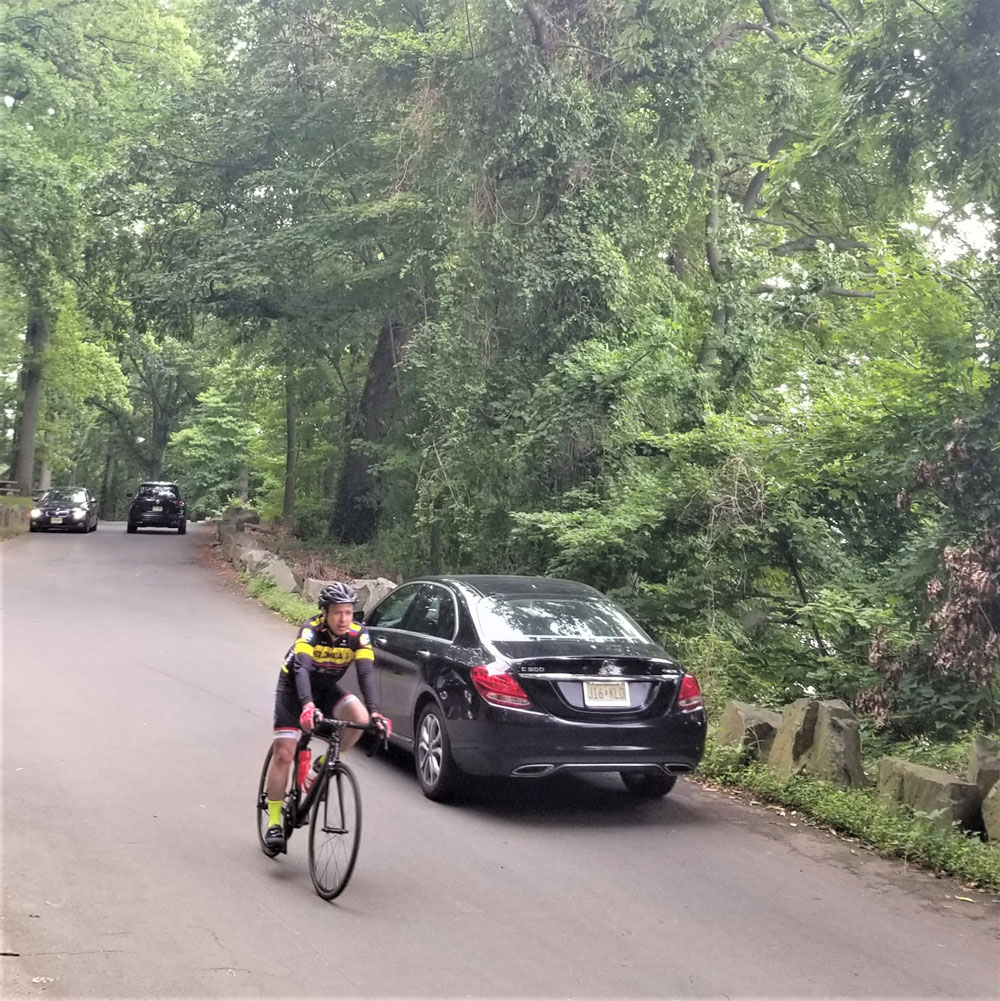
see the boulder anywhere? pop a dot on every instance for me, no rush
(240, 545)
(749, 727)
(282, 576)
(237, 517)
(371, 590)
(991, 813)
(984, 764)
(941, 798)
(821, 739)
(254, 560)
(228, 538)
(311, 588)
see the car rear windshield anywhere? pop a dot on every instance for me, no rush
(158, 491)
(512, 619)
(65, 496)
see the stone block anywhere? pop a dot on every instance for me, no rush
(820, 739)
(984, 763)
(941, 798)
(371, 590)
(991, 813)
(237, 517)
(228, 537)
(282, 576)
(311, 588)
(254, 560)
(749, 727)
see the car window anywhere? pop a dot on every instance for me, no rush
(157, 490)
(392, 610)
(513, 619)
(433, 612)
(66, 496)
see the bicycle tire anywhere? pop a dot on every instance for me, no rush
(334, 831)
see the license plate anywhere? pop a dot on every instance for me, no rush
(605, 693)
(55, 521)
(156, 507)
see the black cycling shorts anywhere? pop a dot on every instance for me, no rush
(287, 708)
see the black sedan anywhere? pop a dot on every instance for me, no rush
(156, 504)
(528, 676)
(70, 509)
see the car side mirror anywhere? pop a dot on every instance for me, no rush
(359, 616)
(129, 495)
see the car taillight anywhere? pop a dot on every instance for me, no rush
(499, 689)
(689, 698)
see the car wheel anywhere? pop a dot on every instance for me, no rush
(32, 528)
(130, 528)
(437, 773)
(93, 527)
(646, 785)
(182, 528)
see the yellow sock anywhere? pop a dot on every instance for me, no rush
(274, 812)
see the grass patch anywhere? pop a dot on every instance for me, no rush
(857, 813)
(289, 606)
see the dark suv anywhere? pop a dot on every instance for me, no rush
(157, 505)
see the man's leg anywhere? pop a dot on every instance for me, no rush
(351, 708)
(282, 755)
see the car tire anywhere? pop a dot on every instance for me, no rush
(32, 528)
(647, 785)
(182, 528)
(94, 527)
(130, 528)
(437, 773)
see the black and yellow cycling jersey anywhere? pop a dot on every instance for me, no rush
(317, 660)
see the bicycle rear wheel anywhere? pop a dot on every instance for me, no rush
(334, 831)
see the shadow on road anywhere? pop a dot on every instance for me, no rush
(563, 800)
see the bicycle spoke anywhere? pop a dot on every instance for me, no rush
(334, 833)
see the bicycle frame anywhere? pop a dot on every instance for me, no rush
(299, 807)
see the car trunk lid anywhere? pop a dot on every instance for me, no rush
(600, 688)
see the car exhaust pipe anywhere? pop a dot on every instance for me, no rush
(532, 771)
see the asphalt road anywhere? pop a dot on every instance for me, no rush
(137, 686)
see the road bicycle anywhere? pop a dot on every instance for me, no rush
(331, 806)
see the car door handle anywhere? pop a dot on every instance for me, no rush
(424, 654)
(381, 640)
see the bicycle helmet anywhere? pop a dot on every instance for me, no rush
(337, 594)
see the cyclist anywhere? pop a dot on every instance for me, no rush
(308, 687)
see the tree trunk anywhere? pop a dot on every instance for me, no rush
(288, 506)
(36, 337)
(158, 441)
(107, 486)
(244, 488)
(355, 516)
(44, 476)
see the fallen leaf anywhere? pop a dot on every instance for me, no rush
(969, 899)
(793, 825)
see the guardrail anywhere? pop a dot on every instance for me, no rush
(9, 487)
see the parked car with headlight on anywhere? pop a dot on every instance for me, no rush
(526, 677)
(156, 504)
(71, 509)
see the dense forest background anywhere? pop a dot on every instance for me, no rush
(694, 300)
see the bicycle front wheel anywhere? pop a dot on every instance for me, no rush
(334, 831)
